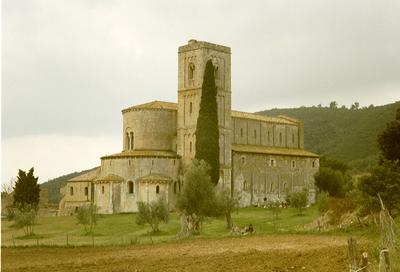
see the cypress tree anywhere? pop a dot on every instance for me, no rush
(26, 190)
(207, 133)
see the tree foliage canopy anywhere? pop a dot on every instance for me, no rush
(298, 200)
(197, 196)
(87, 216)
(389, 139)
(385, 181)
(207, 133)
(26, 190)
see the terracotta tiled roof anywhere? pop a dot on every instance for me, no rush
(155, 178)
(89, 176)
(273, 150)
(154, 105)
(252, 116)
(111, 177)
(142, 153)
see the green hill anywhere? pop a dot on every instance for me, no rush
(344, 134)
(54, 185)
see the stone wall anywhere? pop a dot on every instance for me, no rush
(257, 132)
(152, 129)
(259, 176)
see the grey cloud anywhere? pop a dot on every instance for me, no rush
(71, 66)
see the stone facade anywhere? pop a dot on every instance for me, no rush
(261, 158)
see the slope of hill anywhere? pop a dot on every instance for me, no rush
(348, 135)
(53, 186)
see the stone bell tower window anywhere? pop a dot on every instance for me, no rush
(157, 189)
(132, 141)
(191, 71)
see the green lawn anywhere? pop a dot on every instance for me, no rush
(122, 229)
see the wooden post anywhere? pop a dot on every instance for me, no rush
(352, 254)
(384, 263)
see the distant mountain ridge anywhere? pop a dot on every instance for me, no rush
(345, 134)
(54, 185)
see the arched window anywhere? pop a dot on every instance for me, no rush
(280, 137)
(175, 187)
(284, 187)
(190, 147)
(191, 70)
(293, 164)
(243, 159)
(102, 189)
(255, 134)
(86, 191)
(157, 189)
(71, 191)
(132, 141)
(190, 107)
(245, 185)
(130, 187)
(268, 137)
(313, 164)
(216, 72)
(128, 141)
(241, 132)
(271, 188)
(292, 138)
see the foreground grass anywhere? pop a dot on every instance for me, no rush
(122, 229)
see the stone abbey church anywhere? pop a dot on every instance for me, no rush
(260, 157)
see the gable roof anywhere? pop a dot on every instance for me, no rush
(273, 150)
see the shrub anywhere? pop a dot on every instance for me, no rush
(87, 216)
(298, 200)
(25, 218)
(153, 213)
(322, 201)
(340, 206)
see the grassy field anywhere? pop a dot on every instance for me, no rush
(122, 229)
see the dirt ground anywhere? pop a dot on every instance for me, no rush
(257, 253)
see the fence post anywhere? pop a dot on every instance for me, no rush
(352, 254)
(67, 240)
(92, 240)
(384, 262)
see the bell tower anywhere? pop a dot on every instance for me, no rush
(192, 59)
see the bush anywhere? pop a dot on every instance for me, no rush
(10, 213)
(298, 200)
(153, 213)
(322, 202)
(340, 206)
(87, 216)
(25, 218)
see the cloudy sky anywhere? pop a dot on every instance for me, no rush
(69, 67)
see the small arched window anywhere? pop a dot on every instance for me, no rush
(130, 187)
(191, 70)
(175, 187)
(190, 147)
(102, 189)
(280, 137)
(157, 189)
(255, 134)
(243, 159)
(190, 107)
(71, 191)
(271, 188)
(216, 72)
(313, 164)
(292, 138)
(86, 191)
(128, 141)
(245, 185)
(241, 132)
(132, 141)
(284, 187)
(293, 164)
(268, 137)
